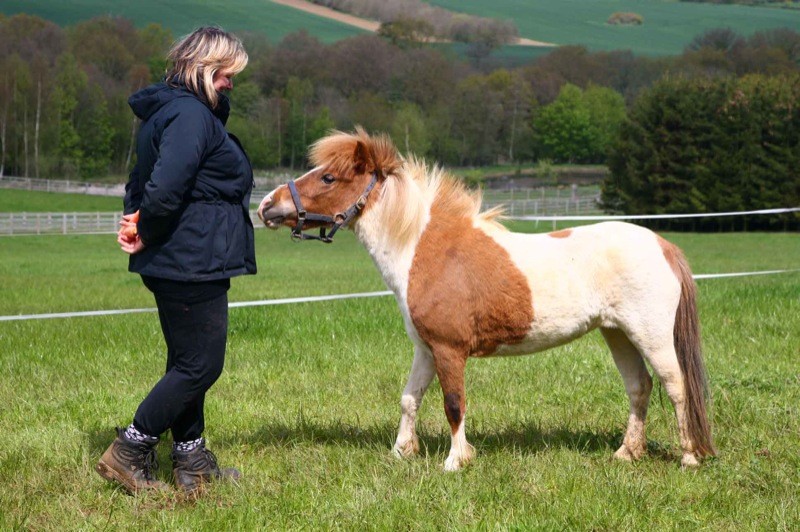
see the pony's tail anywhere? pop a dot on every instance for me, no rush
(686, 334)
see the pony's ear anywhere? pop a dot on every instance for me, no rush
(361, 157)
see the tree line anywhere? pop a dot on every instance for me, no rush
(63, 94)
(710, 145)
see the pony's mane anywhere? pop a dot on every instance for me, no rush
(416, 187)
(452, 197)
(338, 149)
(411, 187)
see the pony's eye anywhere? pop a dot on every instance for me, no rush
(328, 179)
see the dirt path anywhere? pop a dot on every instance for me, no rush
(338, 16)
(365, 24)
(529, 42)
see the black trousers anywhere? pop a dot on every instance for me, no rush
(194, 320)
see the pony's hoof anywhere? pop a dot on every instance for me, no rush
(453, 463)
(406, 449)
(456, 461)
(628, 455)
(689, 461)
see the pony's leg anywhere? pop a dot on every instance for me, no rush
(666, 366)
(638, 386)
(422, 372)
(659, 349)
(450, 365)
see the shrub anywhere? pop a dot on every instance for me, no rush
(709, 145)
(627, 19)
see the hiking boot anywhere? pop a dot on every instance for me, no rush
(194, 468)
(130, 463)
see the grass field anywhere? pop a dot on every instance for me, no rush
(32, 201)
(668, 25)
(182, 16)
(308, 405)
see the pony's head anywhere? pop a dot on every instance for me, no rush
(349, 170)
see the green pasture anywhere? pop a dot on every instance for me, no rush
(12, 200)
(182, 16)
(668, 25)
(308, 405)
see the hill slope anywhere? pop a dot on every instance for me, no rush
(182, 16)
(668, 25)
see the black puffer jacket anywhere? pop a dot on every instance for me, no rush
(191, 184)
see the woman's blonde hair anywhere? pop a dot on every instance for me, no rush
(201, 54)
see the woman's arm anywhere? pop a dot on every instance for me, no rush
(182, 148)
(133, 196)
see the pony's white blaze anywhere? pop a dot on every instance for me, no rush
(468, 287)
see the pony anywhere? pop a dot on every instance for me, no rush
(468, 287)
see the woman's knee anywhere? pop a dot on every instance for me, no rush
(210, 373)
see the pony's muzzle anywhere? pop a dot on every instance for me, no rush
(273, 212)
(266, 203)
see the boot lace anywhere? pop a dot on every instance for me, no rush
(149, 463)
(211, 458)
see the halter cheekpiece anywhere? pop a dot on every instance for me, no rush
(338, 219)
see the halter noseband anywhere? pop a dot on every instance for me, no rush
(338, 219)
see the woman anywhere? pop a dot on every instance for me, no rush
(187, 229)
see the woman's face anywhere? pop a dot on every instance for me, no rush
(223, 81)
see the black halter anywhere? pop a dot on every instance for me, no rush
(338, 219)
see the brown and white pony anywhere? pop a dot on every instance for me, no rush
(468, 287)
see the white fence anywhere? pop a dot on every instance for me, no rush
(517, 202)
(50, 223)
(64, 223)
(63, 186)
(548, 206)
(44, 223)
(40, 223)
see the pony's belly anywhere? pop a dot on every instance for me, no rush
(546, 335)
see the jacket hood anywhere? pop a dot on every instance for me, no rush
(149, 100)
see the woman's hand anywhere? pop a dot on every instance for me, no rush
(128, 236)
(128, 224)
